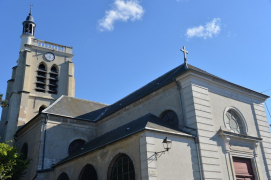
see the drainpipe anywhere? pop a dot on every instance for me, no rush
(44, 140)
(197, 147)
(181, 104)
(179, 87)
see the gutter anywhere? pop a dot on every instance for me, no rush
(44, 141)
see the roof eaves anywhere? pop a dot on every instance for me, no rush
(61, 115)
(220, 79)
(173, 133)
(24, 126)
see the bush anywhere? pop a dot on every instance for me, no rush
(12, 163)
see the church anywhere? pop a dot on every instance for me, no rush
(187, 124)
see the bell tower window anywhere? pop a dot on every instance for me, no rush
(41, 78)
(53, 80)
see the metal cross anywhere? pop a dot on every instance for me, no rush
(31, 8)
(184, 53)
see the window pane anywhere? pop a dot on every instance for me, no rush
(123, 169)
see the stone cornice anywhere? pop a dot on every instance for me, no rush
(238, 136)
(49, 50)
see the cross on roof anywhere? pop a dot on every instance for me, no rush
(184, 53)
(31, 8)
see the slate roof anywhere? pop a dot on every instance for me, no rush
(154, 85)
(75, 108)
(146, 122)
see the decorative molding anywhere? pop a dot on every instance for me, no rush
(239, 136)
(244, 123)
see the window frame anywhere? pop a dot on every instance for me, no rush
(243, 125)
(170, 110)
(61, 174)
(83, 170)
(114, 161)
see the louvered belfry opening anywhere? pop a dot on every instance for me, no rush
(53, 80)
(41, 78)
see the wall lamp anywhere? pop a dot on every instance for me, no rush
(167, 143)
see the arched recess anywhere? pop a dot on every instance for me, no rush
(170, 117)
(41, 77)
(88, 173)
(24, 150)
(235, 121)
(76, 145)
(121, 167)
(42, 108)
(53, 80)
(63, 176)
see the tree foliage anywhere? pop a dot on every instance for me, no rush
(12, 163)
(3, 103)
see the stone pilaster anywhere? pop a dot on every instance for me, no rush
(198, 115)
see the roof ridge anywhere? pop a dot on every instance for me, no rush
(149, 83)
(86, 100)
(51, 105)
(172, 71)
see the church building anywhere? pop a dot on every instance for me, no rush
(187, 124)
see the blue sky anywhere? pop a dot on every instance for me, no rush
(120, 45)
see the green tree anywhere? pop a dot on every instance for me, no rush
(12, 163)
(3, 103)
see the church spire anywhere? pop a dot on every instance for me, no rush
(28, 24)
(30, 13)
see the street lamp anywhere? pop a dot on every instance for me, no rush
(167, 143)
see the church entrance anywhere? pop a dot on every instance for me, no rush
(243, 169)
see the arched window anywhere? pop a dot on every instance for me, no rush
(233, 121)
(88, 173)
(41, 78)
(24, 150)
(170, 117)
(76, 145)
(63, 176)
(42, 108)
(53, 81)
(123, 168)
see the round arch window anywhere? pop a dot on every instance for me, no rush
(24, 150)
(63, 176)
(42, 108)
(123, 168)
(170, 117)
(88, 173)
(233, 122)
(76, 145)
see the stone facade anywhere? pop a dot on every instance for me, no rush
(204, 140)
(24, 99)
(205, 156)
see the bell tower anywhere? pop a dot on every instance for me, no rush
(28, 29)
(43, 73)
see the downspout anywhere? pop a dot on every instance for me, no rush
(179, 87)
(181, 104)
(44, 140)
(197, 147)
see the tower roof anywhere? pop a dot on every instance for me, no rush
(30, 18)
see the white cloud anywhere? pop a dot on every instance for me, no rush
(207, 31)
(121, 11)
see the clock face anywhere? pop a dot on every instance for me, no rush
(50, 56)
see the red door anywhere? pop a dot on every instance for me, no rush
(243, 169)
